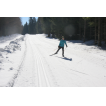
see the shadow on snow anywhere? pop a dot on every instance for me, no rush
(65, 58)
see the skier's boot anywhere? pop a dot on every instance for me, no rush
(55, 53)
(63, 55)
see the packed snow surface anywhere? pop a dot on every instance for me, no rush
(28, 62)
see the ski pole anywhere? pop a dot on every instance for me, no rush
(65, 48)
(54, 49)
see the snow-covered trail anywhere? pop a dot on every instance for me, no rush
(34, 70)
(39, 69)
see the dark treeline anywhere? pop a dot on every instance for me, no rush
(72, 28)
(76, 28)
(33, 27)
(10, 25)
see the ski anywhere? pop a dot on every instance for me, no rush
(52, 54)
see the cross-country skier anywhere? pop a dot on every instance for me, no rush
(61, 45)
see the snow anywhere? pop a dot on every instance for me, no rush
(27, 62)
(11, 52)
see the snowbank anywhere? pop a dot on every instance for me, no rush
(11, 52)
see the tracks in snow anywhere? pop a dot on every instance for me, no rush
(12, 82)
(43, 80)
(34, 71)
(38, 69)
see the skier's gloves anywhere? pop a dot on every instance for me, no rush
(66, 46)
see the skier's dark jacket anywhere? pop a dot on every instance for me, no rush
(62, 42)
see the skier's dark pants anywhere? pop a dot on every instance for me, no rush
(59, 47)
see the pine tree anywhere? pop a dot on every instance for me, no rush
(95, 30)
(54, 26)
(47, 25)
(34, 25)
(30, 26)
(80, 27)
(105, 29)
(99, 36)
(25, 29)
(39, 25)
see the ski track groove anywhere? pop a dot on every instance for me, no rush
(50, 71)
(22, 69)
(39, 61)
(54, 82)
(67, 71)
(33, 81)
(11, 83)
(38, 74)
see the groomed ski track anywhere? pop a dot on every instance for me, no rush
(39, 69)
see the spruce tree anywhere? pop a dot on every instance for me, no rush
(34, 25)
(39, 25)
(30, 27)
(47, 25)
(99, 36)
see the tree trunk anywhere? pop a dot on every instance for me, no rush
(99, 37)
(79, 30)
(49, 34)
(80, 34)
(95, 32)
(90, 32)
(53, 35)
(101, 29)
(105, 30)
(84, 29)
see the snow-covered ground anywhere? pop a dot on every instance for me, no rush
(84, 64)
(11, 52)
